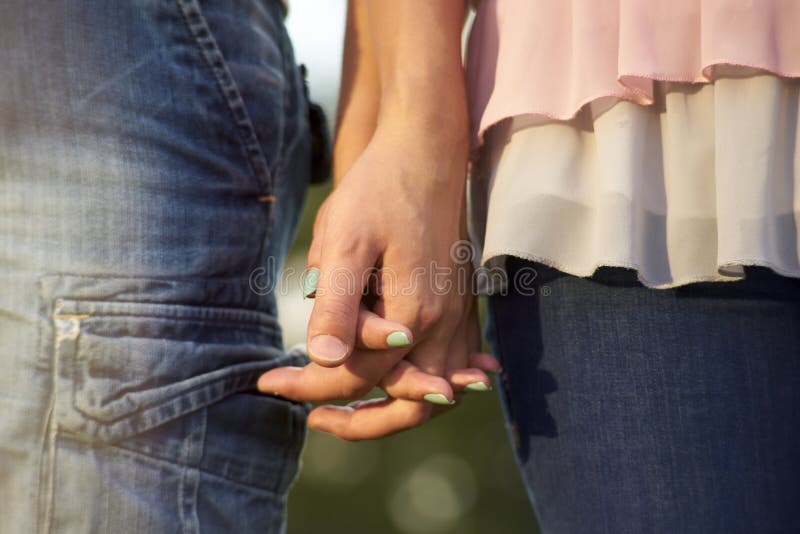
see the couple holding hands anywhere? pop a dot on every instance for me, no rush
(633, 176)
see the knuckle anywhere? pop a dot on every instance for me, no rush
(347, 244)
(456, 309)
(320, 221)
(344, 282)
(429, 314)
(333, 314)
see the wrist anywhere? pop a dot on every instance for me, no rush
(426, 129)
(435, 153)
(438, 112)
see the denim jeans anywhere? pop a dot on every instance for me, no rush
(636, 410)
(153, 156)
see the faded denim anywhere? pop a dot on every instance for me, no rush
(636, 410)
(153, 154)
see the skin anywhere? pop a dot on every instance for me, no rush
(399, 203)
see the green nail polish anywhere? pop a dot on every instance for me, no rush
(310, 282)
(398, 339)
(438, 398)
(477, 386)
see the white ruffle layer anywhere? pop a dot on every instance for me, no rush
(691, 188)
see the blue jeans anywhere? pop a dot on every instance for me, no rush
(153, 156)
(635, 410)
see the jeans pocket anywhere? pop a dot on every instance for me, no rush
(155, 423)
(124, 368)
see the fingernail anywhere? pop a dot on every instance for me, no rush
(438, 398)
(310, 282)
(328, 348)
(478, 386)
(398, 339)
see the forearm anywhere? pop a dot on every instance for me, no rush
(402, 70)
(359, 94)
(417, 46)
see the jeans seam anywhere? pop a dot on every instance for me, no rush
(211, 53)
(189, 484)
(288, 88)
(512, 429)
(47, 459)
(277, 493)
(197, 396)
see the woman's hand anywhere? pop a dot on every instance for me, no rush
(401, 202)
(400, 208)
(388, 229)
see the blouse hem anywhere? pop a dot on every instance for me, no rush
(720, 276)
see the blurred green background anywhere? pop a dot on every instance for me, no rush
(456, 474)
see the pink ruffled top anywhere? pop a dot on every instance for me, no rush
(549, 58)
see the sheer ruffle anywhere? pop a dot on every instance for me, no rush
(689, 189)
(547, 59)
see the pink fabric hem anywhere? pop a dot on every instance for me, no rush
(550, 59)
(629, 93)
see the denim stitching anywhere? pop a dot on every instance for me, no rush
(209, 49)
(287, 61)
(199, 456)
(188, 485)
(184, 467)
(276, 490)
(205, 391)
(51, 430)
(241, 317)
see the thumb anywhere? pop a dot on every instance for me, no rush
(334, 319)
